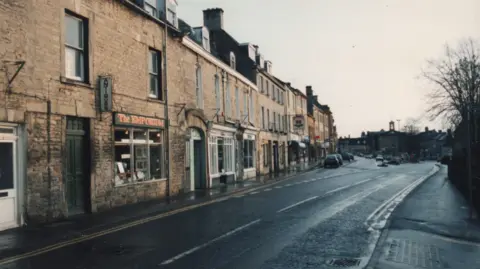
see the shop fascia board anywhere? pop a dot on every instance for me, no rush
(212, 59)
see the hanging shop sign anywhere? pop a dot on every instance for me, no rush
(105, 86)
(299, 121)
(137, 121)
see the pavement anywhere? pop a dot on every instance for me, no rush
(323, 218)
(430, 229)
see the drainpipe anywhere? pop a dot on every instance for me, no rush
(49, 160)
(165, 87)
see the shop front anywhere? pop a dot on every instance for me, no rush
(296, 150)
(139, 149)
(12, 165)
(221, 152)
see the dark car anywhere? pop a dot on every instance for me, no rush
(394, 161)
(331, 161)
(351, 156)
(346, 157)
(339, 157)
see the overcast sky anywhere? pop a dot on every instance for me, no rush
(362, 57)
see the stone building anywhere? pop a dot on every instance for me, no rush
(83, 124)
(271, 140)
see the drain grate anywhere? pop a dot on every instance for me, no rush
(344, 262)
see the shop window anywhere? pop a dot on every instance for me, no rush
(221, 155)
(248, 154)
(138, 155)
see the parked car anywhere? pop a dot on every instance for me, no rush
(379, 158)
(340, 158)
(331, 161)
(351, 156)
(346, 156)
(395, 161)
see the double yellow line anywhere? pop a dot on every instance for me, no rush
(134, 223)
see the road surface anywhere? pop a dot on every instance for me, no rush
(310, 221)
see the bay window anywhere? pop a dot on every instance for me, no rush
(138, 155)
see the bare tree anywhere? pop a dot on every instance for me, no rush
(411, 126)
(456, 81)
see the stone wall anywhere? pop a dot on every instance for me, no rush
(119, 43)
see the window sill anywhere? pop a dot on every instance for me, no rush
(74, 82)
(246, 170)
(140, 182)
(154, 100)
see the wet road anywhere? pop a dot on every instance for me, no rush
(303, 222)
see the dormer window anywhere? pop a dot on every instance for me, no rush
(233, 63)
(206, 43)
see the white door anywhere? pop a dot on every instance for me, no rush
(8, 192)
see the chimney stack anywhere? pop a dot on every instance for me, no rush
(426, 129)
(213, 18)
(309, 90)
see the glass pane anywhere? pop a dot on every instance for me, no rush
(152, 3)
(70, 62)
(6, 166)
(151, 10)
(155, 137)
(153, 63)
(79, 64)
(220, 155)
(153, 85)
(123, 172)
(122, 136)
(140, 136)
(156, 162)
(141, 162)
(73, 32)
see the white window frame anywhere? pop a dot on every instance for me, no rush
(150, 6)
(245, 105)
(233, 60)
(252, 154)
(251, 108)
(132, 142)
(217, 92)
(228, 109)
(228, 159)
(75, 49)
(199, 86)
(237, 105)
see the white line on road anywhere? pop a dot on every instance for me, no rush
(269, 189)
(288, 185)
(253, 192)
(296, 204)
(349, 186)
(278, 187)
(192, 250)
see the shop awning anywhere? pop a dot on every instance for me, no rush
(300, 144)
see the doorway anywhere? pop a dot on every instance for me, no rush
(8, 185)
(77, 176)
(196, 161)
(275, 157)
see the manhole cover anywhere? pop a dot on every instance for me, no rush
(344, 262)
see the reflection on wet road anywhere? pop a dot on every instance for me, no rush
(305, 222)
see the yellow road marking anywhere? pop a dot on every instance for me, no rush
(132, 224)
